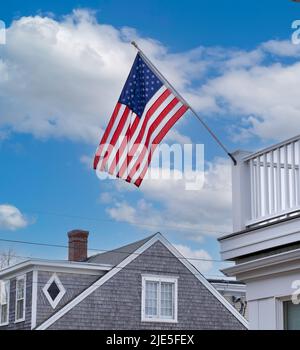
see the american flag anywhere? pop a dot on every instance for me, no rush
(145, 112)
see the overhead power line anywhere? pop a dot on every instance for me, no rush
(151, 270)
(109, 250)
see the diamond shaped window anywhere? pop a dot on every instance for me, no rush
(54, 290)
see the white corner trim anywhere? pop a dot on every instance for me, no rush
(125, 262)
(98, 283)
(34, 298)
(62, 291)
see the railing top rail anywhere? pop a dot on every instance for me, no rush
(271, 148)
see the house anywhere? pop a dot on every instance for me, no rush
(234, 292)
(265, 243)
(144, 285)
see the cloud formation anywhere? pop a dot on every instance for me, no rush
(61, 78)
(200, 258)
(11, 218)
(168, 205)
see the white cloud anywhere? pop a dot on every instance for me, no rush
(200, 258)
(106, 197)
(268, 96)
(87, 161)
(283, 48)
(11, 218)
(63, 78)
(175, 136)
(171, 208)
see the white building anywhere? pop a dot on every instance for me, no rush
(265, 243)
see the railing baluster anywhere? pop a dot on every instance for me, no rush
(298, 177)
(272, 197)
(274, 182)
(278, 182)
(258, 187)
(266, 186)
(293, 189)
(252, 190)
(286, 178)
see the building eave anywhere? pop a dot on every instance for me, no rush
(285, 261)
(43, 263)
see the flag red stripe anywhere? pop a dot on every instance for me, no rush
(152, 128)
(158, 139)
(106, 133)
(124, 143)
(138, 139)
(116, 134)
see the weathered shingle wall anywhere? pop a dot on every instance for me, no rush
(117, 303)
(25, 325)
(74, 284)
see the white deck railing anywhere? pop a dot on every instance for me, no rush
(270, 182)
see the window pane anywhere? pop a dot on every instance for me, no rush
(151, 298)
(20, 289)
(4, 290)
(292, 315)
(167, 300)
(4, 314)
(20, 309)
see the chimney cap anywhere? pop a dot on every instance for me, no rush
(77, 233)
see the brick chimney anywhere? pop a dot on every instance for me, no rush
(78, 245)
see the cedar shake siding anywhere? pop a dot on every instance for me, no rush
(117, 303)
(23, 325)
(73, 283)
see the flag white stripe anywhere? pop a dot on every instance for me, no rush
(155, 133)
(152, 120)
(121, 136)
(148, 106)
(123, 156)
(113, 129)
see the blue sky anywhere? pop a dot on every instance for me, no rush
(61, 74)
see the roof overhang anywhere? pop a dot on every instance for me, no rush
(41, 264)
(266, 266)
(259, 239)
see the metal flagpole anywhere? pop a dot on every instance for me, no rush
(171, 87)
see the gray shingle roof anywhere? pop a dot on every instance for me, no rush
(115, 256)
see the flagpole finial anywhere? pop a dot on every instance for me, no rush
(135, 45)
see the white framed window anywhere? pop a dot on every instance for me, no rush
(54, 290)
(159, 298)
(4, 302)
(20, 298)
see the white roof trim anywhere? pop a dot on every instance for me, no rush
(54, 263)
(263, 262)
(125, 262)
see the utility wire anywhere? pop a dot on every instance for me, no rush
(116, 250)
(123, 268)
